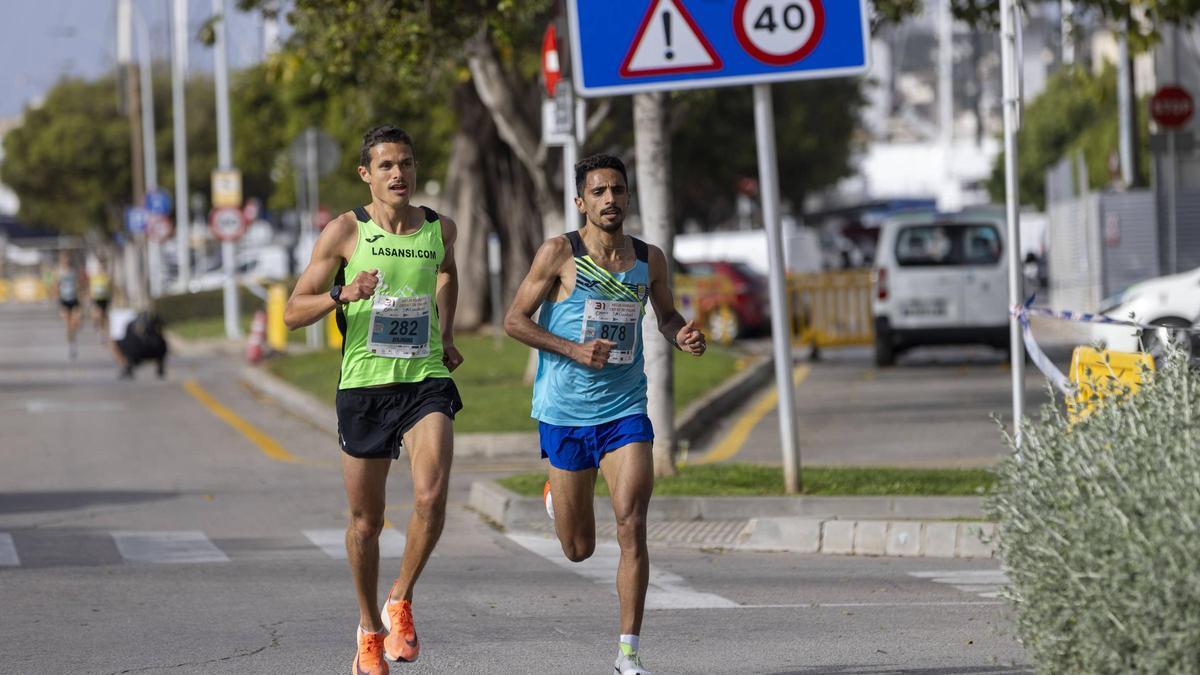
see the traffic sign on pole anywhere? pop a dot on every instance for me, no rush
(551, 67)
(227, 223)
(1172, 106)
(135, 219)
(159, 228)
(689, 44)
(226, 188)
(158, 202)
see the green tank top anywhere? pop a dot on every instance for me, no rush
(394, 336)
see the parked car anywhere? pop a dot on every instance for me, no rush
(940, 279)
(1171, 302)
(741, 290)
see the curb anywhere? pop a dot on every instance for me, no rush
(324, 416)
(870, 526)
(695, 420)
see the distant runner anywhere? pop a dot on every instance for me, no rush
(388, 271)
(589, 396)
(69, 282)
(100, 290)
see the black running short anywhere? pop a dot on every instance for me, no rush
(101, 305)
(372, 421)
(68, 305)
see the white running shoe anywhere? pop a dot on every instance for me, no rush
(629, 664)
(549, 500)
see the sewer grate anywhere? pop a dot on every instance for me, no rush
(702, 532)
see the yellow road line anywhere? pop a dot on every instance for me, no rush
(265, 443)
(732, 444)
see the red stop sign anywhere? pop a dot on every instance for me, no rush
(1172, 107)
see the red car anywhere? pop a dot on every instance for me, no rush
(742, 291)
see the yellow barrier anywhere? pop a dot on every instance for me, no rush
(4, 290)
(333, 336)
(1102, 374)
(832, 309)
(277, 333)
(709, 302)
(28, 289)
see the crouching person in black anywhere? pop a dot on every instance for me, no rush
(143, 341)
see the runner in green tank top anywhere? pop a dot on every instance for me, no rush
(388, 271)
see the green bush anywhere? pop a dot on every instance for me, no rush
(204, 305)
(1099, 525)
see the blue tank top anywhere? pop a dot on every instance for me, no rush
(606, 305)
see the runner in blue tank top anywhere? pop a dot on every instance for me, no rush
(589, 396)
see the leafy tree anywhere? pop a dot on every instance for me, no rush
(1076, 113)
(69, 160)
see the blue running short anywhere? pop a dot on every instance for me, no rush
(578, 448)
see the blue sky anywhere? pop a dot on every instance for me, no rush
(44, 40)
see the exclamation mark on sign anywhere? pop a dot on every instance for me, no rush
(667, 33)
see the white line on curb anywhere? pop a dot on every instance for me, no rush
(8, 551)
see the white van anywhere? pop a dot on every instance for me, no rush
(940, 279)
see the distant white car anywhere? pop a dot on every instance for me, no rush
(940, 279)
(1172, 302)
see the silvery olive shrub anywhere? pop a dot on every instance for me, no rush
(1100, 530)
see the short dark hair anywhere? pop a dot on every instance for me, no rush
(385, 133)
(601, 161)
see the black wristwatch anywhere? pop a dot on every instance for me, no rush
(336, 294)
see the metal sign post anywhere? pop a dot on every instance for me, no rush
(1171, 109)
(1011, 75)
(692, 44)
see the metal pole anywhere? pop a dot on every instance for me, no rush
(1012, 104)
(1172, 208)
(179, 37)
(149, 148)
(1124, 101)
(225, 161)
(781, 321)
(314, 332)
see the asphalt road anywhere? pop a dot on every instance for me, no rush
(936, 408)
(185, 526)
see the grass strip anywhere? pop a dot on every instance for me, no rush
(746, 480)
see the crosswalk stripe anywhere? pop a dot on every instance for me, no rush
(984, 583)
(8, 551)
(173, 546)
(333, 543)
(667, 590)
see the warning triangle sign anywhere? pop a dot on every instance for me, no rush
(667, 42)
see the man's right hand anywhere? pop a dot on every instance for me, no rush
(594, 354)
(362, 287)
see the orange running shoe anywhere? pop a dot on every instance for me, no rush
(401, 643)
(369, 659)
(549, 501)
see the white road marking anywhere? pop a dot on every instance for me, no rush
(8, 551)
(984, 583)
(667, 590)
(333, 543)
(175, 546)
(42, 405)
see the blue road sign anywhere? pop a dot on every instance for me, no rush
(158, 202)
(136, 218)
(630, 46)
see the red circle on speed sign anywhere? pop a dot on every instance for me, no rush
(1172, 107)
(779, 32)
(227, 224)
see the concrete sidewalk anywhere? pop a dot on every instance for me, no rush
(936, 527)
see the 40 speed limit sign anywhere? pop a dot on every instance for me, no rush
(779, 32)
(631, 46)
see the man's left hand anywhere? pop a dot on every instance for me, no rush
(451, 356)
(691, 339)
